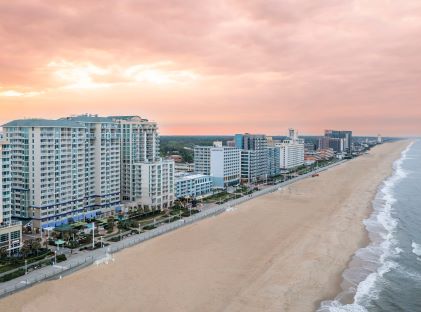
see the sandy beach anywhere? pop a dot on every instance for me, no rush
(284, 251)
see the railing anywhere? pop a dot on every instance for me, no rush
(81, 260)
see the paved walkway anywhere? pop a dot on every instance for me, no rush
(82, 259)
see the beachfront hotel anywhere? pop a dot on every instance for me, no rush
(339, 140)
(291, 151)
(273, 161)
(254, 156)
(78, 167)
(10, 231)
(194, 185)
(222, 163)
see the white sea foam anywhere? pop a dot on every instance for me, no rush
(370, 263)
(416, 248)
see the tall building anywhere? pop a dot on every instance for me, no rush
(274, 161)
(139, 143)
(202, 157)
(222, 163)
(85, 166)
(10, 231)
(48, 166)
(254, 156)
(102, 164)
(155, 184)
(291, 151)
(339, 134)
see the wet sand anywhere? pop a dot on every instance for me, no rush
(284, 251)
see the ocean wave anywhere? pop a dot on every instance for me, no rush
(416, 248)
(370, 263)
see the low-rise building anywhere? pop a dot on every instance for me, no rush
(326, 153)
(184, 167)
(192, 185)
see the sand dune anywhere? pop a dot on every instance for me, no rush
(281, 252)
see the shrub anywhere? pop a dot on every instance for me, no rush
(12, 275)
(61, 258)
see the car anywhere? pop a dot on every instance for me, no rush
(315, 175)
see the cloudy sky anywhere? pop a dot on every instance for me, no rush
(216, 67)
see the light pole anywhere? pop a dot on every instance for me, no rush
(93, 235)
(26, 266)
(55, 256)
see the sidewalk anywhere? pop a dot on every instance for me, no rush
(82, 259)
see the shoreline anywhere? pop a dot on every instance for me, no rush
(343, 296)
(273, 250)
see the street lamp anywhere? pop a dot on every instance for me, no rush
(93, 235)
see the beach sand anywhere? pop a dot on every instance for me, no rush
(284, 251)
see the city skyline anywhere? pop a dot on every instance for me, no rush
(216, 67)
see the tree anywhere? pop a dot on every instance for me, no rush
(26, 248)
(3, 252)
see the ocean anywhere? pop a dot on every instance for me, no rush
(386, 275)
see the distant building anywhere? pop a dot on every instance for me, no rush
(339, 134)
(184, 167)
(274, 161)
(231, 143)
(379, 139)
(291, 151)
(202, 157)
(254, 156)
(176, 158)
(222, 163)
(325, 154)
(309, 147)
(192, 185)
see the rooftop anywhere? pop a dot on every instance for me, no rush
(188, 175)
(43, 123)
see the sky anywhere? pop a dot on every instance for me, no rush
(216, 67)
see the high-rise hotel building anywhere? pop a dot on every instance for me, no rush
(84, 166)
(147, 180)
(291, 151)
(10, 231)
(222, 163)
(254, 156)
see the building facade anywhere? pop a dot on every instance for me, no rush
(274, 161)
(346, 137)
(156, 185)
(254, 156)
(10, 231)
(291, 151)
(139, 143)
(84, 167)
(222, 163)
(192, 185)
(102, 165)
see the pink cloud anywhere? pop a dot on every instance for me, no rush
(266, 65)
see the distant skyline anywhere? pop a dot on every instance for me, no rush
(217, 67)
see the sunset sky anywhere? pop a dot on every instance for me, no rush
(216, 67)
